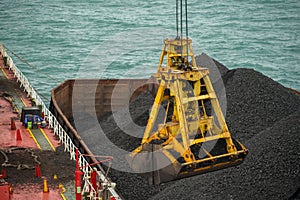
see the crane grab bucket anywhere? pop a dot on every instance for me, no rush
(192, 138)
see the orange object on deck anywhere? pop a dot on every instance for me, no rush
(12, 124)
(19, 137)
(5, 191)
(45, 188)
(3, 173)
(38, 171)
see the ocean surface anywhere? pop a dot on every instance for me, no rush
(65, 39)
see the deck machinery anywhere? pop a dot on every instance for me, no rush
(192, 137)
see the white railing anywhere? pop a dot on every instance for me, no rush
(53, 123)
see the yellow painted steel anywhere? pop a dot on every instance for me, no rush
(4, 73)
(63, 190)
(193, 115)
(24, 103)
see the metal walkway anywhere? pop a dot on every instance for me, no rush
(41, 139)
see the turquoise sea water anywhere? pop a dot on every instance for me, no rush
(58, 37)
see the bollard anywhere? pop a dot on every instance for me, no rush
(12, 124)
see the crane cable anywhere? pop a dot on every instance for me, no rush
(186, 32)
(177, 19)
(181, 27)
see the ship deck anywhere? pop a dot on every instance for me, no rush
(19, 146)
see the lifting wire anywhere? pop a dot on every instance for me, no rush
(186, 63)
(35, 69)
(186, 32)
(181, 30)
(177, 19)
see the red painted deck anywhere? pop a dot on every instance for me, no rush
(6, 112)
(24, 192)
(8, 137)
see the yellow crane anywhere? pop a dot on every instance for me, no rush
(192, 137)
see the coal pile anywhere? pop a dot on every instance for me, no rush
(261, 113)
(265, 117)
(137, 113)
(129, 185)
(271, 170)
(255, 102)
